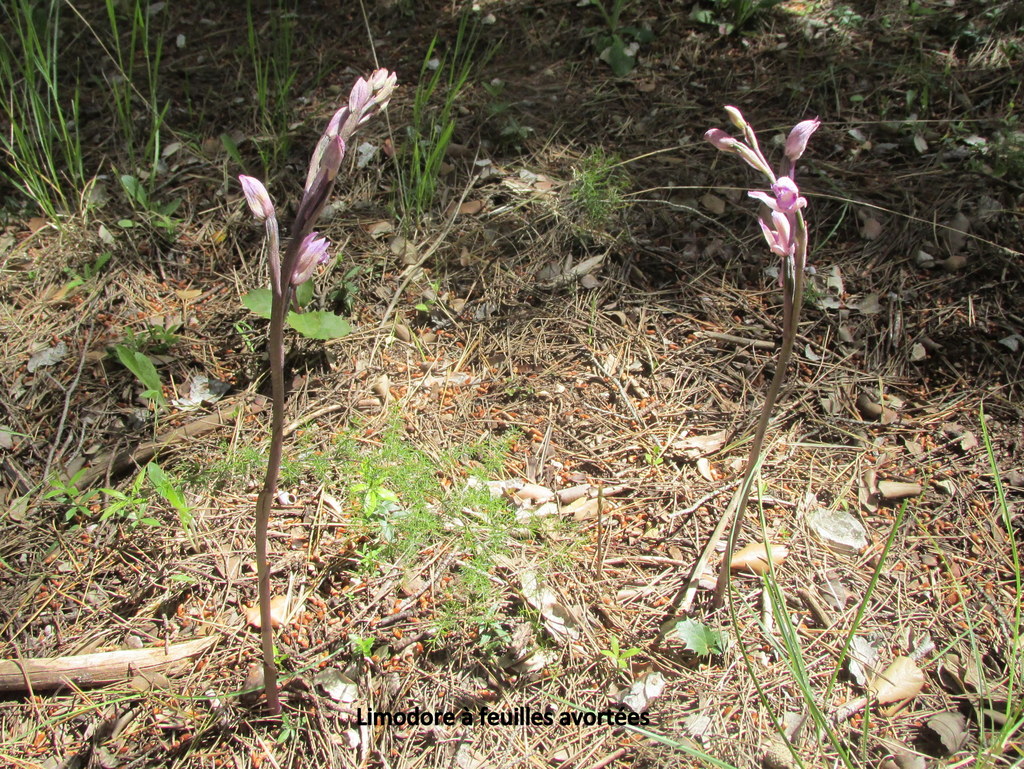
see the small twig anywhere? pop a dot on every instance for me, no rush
(814, 606)
(67, 405)
(757, 344)
(704, 500)
(615, 755)
(599, 564)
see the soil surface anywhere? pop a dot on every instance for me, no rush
(497, 486)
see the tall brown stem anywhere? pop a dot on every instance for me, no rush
(275, 345)
(792, 296)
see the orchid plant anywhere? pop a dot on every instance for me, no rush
(305, 251)
(785, 230)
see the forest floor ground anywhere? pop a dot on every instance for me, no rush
(582, 318)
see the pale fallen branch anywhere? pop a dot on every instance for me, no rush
(96, 669)
(119, 462)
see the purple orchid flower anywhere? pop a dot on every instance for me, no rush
(785, 196)
(312, 252)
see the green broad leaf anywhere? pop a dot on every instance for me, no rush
(639, 34)
(702, 16)
(167, 209)
(144, 371)
(135, 190)
(231, 147)
(259, 301)
(620, 61)
(304, 292)
(125, 223)
(171, 494)
(698, 637)
(319, 324)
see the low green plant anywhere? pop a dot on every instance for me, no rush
(136, 51)
(510, 132)
(617, 44)
(158, 215)
(732, 16)
(154, 338)
(432, 128)
(66, 492)
(89, 271)
(129, 507)
(344, 295)
(361, 645)
(140, 364)
(170, 493)
(597, 190)
(619, 657)
(271, 56)
(291, 727)
(40, 108)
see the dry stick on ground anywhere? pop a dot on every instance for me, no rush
(116, 463)
(97, 669)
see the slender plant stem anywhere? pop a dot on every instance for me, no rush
(792, 296)
(275, 344)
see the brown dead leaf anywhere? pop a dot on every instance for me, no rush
(696, 446)
(713, 203)
(278, 612)
(36, 223)
(379, 228)
(754, 557)
(951, 729)
(893, 490)
(403, 248)
(871, 228)
(471, 207)
(902, 680)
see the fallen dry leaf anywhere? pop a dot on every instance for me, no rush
(471, 207)
(713, 203)
(871, 229)
(892, 490)
(951, 729)
(694, 446)
(278, 612)
(902, 680)
(754, 557)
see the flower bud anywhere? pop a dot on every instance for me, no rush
(796, 143)
(720, 139)
(257, 197)
(736, 117)
(312, 251)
